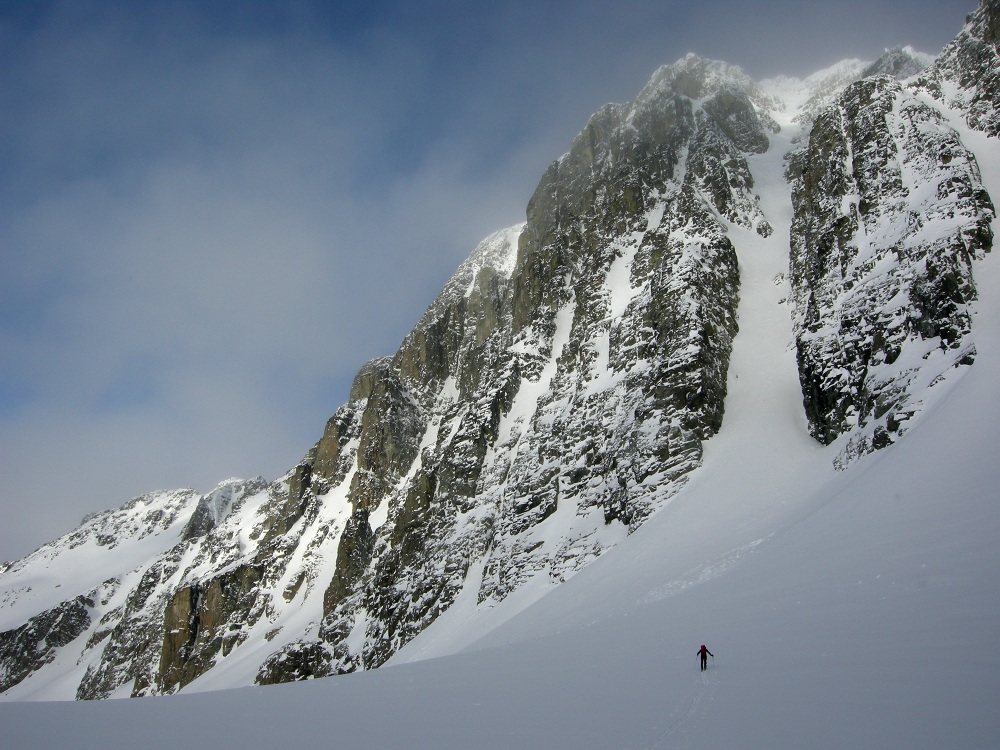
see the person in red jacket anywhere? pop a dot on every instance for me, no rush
(704, 653)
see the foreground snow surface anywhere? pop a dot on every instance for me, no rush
(852, 609)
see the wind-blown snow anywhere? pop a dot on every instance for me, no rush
(845, 609)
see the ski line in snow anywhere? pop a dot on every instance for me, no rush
(691, 710)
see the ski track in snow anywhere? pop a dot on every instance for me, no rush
(687, 718)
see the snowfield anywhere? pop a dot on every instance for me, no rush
(856, 608)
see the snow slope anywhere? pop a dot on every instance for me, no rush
(845, 609)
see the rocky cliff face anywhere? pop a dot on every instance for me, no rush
(560, 388)
(889, 213)
(562, 384)
(31, 646)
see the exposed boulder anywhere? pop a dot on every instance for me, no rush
(296, 661)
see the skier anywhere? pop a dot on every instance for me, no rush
(704, 653)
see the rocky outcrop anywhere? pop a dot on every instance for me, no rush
(29, 647)
(967, 74)
(204, 620)
(128, 638)
(899, 63)
(889, 214)
(354, 553)
(565, 377)
(301, 660)
(138, 640)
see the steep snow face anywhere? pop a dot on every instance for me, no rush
(800, 99)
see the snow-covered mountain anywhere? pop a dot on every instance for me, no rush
(738, 351)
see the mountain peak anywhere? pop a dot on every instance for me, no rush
(899, 62)
(698, 78)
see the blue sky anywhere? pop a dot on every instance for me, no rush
(212, 213)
